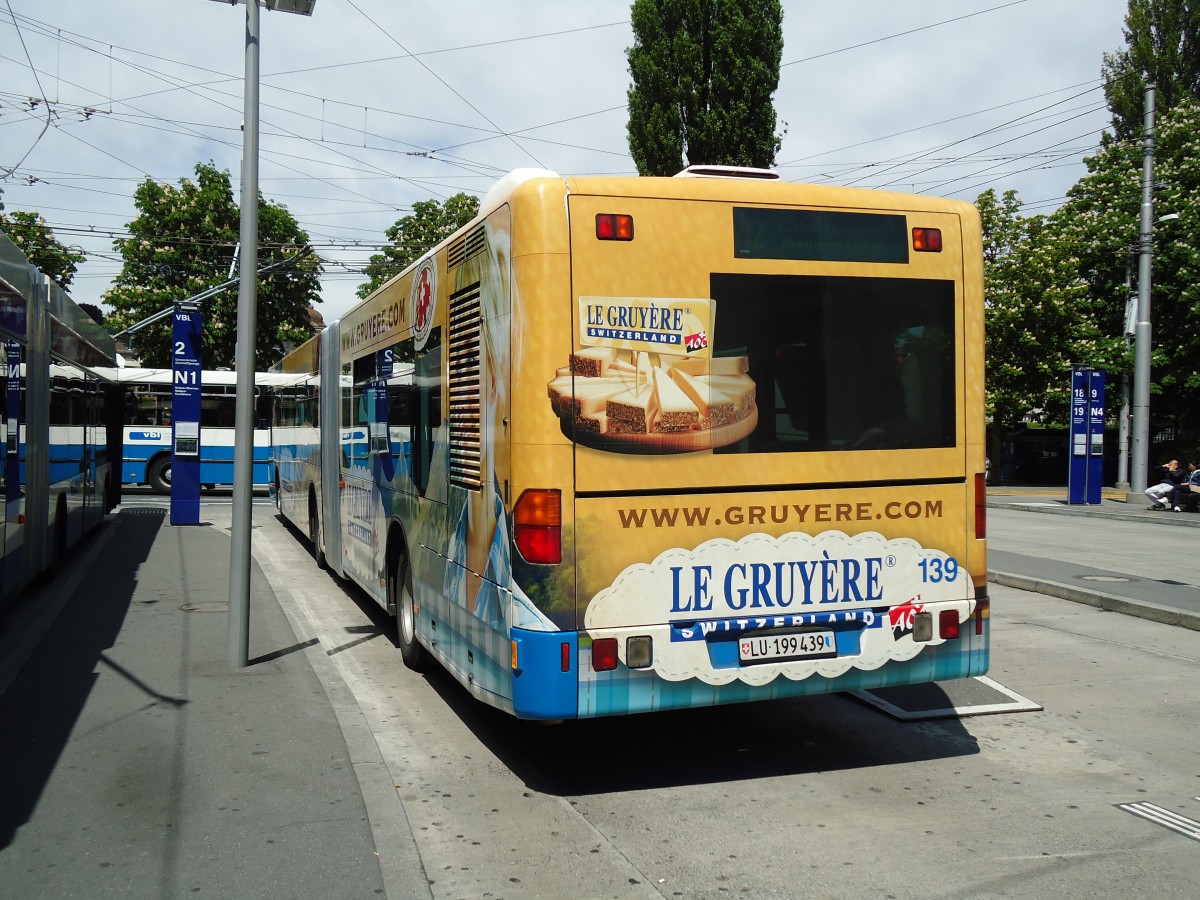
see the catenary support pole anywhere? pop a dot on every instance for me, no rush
(243, 432)
(1141, 358)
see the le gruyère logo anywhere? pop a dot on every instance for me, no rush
(422, 302)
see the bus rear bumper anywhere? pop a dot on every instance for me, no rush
(545, 674)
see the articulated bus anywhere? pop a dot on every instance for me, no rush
(146, 459)
(633, 444)
(59, 423)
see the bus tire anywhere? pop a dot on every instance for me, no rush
(401, 595)
(159, 474)
(315, 535)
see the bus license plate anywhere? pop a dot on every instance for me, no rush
(782, 646)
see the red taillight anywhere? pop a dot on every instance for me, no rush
(948, 624)
(983, 610)
(614, 227)
(927, 240)
(604, 654)
(980, 506)
(565, 656)
(537, 525)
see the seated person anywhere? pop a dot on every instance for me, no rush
(1170, 476)
(1187, 492)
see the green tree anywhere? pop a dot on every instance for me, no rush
(414, 235)
(182, 242)
(1162, 40)
(1039, 319)
(30, 232)
(704, 72)
(1101, 219)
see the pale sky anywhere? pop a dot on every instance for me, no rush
(371, 105)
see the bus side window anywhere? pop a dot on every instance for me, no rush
(414, 401)
(262, 408)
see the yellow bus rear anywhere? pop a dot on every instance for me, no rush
(763, 415)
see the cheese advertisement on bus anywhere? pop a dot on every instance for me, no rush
(645, 444)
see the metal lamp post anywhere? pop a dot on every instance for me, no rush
(243, 432)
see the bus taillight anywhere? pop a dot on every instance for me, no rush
(983, 610)
(927, 240)
(604, 654)
(614, 227)
(980, 506)
(537, 525)
(948, 624)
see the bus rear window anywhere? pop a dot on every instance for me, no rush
(841, 363)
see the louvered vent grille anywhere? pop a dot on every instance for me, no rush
(464, 248)
(465, 464)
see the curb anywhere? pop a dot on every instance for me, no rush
(1165, 615)
(400, 863)
(1185, 520)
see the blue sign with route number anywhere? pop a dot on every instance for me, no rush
(1087, 436)
(186, 353)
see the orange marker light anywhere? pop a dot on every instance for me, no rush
(927, 240)
(614, 227)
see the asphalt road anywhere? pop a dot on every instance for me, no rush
(347, 768)
(824, 797)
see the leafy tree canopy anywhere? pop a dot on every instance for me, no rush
(414, 235)
(704, 72)
(182, 242)
(1102, 220)
(30, 232)
(1162, 45)
(1057, 286)
(1038, 321)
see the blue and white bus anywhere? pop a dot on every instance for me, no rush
(146, 459)
(59, 423)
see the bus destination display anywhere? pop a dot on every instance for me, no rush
(760, 233)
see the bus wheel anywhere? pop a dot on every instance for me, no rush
(314, 535)
(159, 475)
(401, 595)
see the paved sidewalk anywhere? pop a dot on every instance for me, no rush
(1053, 500)
(1160, 600)
(138, 764)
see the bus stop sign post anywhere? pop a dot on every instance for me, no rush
(186, 343)
(1087, 436)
